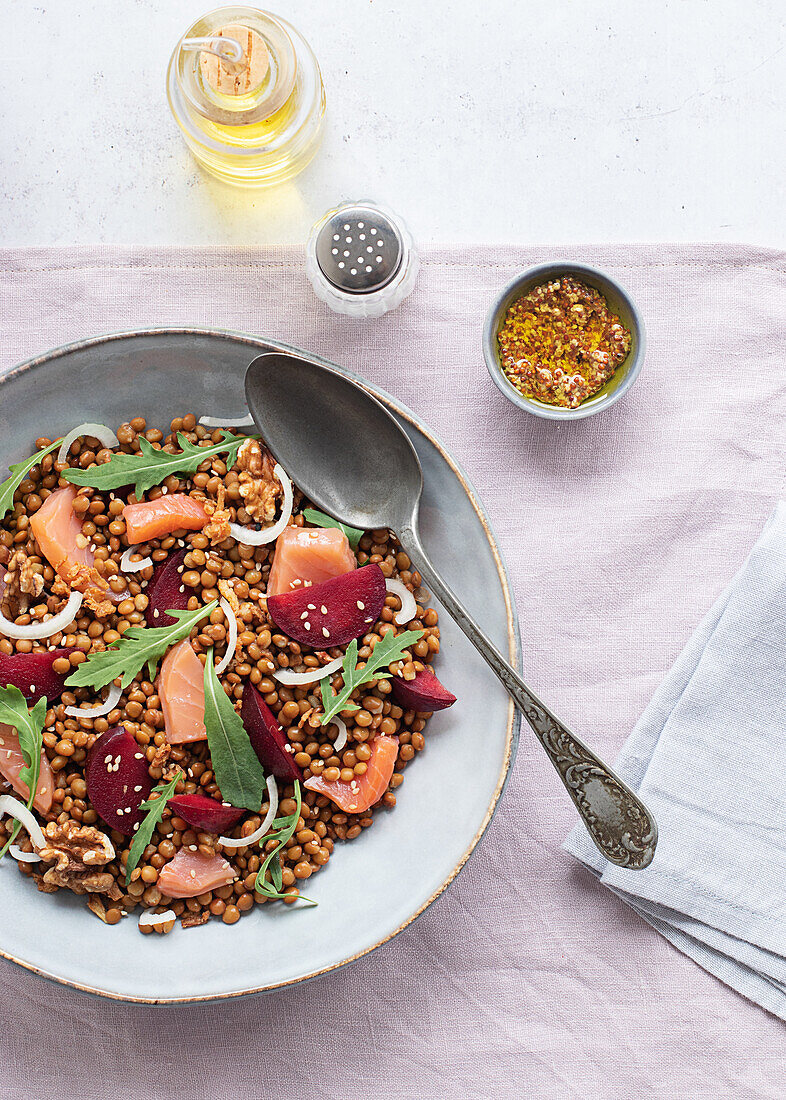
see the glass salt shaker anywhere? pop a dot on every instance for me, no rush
(361, 260)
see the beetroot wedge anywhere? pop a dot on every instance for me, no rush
(33, 674)
(205, 813)
(166, 591)
(118, 779)
(267, 737)
(424, 693)
(333, 612)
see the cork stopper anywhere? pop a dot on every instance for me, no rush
(236, 79)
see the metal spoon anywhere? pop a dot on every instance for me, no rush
(348, 454)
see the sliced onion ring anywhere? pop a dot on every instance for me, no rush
(229, 421)
(51, 626)
(152, 920)
(229, 615)
(408, 605)
(300, 679)
(248, 536)
(105, 436)
(128, 566)
(14, 808)
(23, 857)
(109, 704)
(341, 740)
(244, 841)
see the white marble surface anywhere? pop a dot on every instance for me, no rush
(479, 120)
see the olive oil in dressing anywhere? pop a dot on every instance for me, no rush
(246, 91)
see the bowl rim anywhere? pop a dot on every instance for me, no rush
(513, 638)
(490, 325)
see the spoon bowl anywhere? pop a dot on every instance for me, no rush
(365, 473)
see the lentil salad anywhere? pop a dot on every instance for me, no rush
(234, 491)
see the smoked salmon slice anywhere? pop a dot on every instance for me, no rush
(11, 764)
(364, 790)
(309, 555)
(191, 873)
(58, 532)
(182, 693)
(151, 519)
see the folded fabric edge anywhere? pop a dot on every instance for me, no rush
(751, 984)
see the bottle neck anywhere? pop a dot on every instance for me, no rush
(245, 92)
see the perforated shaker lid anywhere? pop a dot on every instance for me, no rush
(359, 249)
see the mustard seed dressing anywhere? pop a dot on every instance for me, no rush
(561, 343)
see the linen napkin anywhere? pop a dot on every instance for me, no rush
(708, 757)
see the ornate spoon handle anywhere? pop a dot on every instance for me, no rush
(616, 818)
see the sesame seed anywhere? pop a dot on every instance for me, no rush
(304, 615)
(312, 607)
(307, 626)
(326, 633)
(323, 609)
(361, 606)
(182, 588)
(156, 613)
(369, 620)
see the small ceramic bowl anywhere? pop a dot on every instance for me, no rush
(618, 300)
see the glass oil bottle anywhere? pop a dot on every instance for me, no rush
(246, 91)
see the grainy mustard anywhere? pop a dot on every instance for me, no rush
(560, 343)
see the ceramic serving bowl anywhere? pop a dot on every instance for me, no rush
(376, 885)
(619, 301)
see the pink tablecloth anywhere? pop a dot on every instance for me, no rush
(526, 978)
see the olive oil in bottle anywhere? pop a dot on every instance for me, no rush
(246, 91)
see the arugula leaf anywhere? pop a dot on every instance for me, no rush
(29, 726)
(155, 813)
(236, 766)
(387, 650)
(19, 472)
(320, 519)
(283, 828)
(151, 467)
(138, 646)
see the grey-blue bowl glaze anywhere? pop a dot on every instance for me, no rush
(377, 885)
(619, 301)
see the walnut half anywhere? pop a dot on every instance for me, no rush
(77, 851)
(257, 484)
